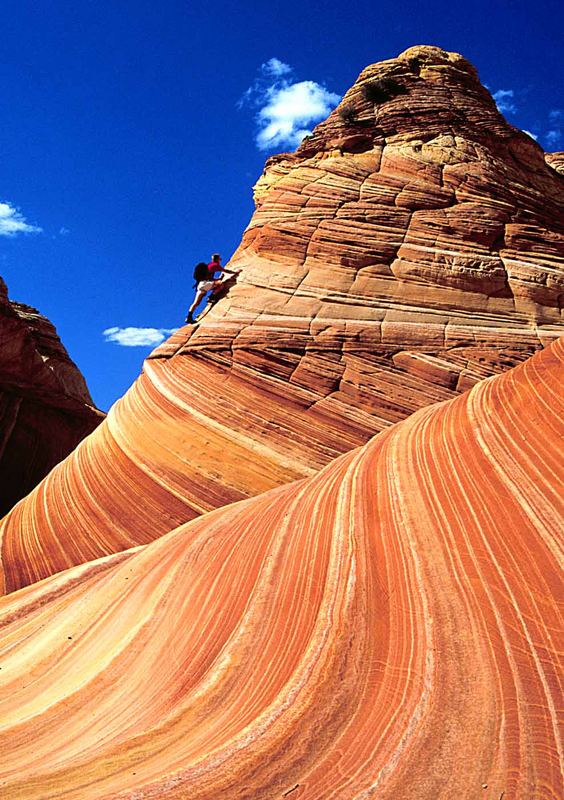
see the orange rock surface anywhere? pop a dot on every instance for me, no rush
(411, 247)
(45, 406)
(387, 628)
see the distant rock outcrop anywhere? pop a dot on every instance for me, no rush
(387, 629)
(556, 161)
(409, 248)
(45, 407)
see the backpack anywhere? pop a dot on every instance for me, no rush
(201, 272)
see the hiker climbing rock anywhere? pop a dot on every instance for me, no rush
(206, 281)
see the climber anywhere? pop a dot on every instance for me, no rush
(204, 275)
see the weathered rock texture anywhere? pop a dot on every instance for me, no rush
(45, 407)
(388, 628)
(409, 248)
(556, 161)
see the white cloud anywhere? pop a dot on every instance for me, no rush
(504, 101)
(532, 135)
(12, 222)
(556, 114)
(289, 109)
(286, 108)
(276, 68)
(63, 231)
(137, 337)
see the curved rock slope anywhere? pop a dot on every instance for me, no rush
(412, 246)
(388, 628)
(45, 406)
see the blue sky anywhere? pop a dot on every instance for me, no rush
(132, 132)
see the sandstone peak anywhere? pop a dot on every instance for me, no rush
(379, 274)
(424, 93)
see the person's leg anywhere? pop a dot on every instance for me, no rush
(200, 294)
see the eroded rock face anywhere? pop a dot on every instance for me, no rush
(411, 247)
(45, 406)
(387, 628)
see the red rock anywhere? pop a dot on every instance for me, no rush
(45, 406)
(387, 628)
(392, 262)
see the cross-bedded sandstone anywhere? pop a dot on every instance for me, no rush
(411, 247)
(388, 628)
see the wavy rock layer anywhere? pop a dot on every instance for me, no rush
(408, 249)
(389, 628)
(45, 406)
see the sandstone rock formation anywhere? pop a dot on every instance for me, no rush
(45, 406)
(411, 247)
(556, 161)
(388, 628)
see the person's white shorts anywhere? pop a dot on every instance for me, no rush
(206, 286)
